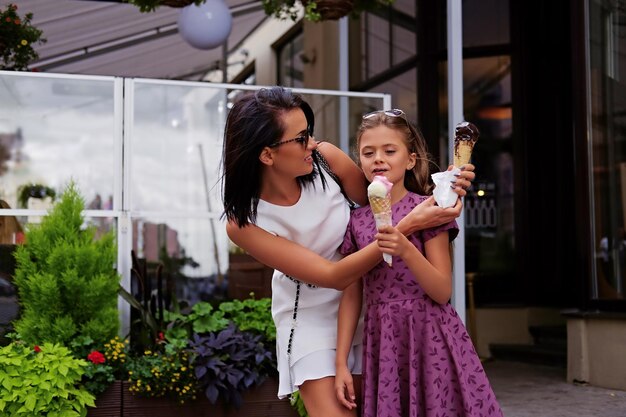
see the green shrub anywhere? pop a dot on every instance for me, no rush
(66, 279)
(41, 381)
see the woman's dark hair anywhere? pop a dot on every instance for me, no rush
(254, 122)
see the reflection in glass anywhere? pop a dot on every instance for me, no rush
(291, 60)
(176, 148)
(53, 130)
(192, 269)
(607, 51)
(489, 205)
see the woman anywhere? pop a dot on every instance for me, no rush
(287, 211)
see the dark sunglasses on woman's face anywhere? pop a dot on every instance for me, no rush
(303, 140)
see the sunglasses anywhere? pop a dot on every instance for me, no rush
(302, 140)
(390, 113)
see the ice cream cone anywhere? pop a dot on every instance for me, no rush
(379, 195)
(463, 153)
(465, 137)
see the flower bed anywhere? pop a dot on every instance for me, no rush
(118, 401)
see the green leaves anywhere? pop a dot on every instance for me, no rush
(41, 383)
(66, 279)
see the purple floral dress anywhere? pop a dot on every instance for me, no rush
(418, 360)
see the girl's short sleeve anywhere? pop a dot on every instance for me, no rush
(348, 245)
(452, 228)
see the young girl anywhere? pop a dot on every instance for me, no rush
(285, 210)
(418, 359)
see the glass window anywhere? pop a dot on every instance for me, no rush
(291, 62)
(607, 81)
(485, 22)
(53, 130)
(176, 148)
(403, 90)
(489, 205)
(175, 201)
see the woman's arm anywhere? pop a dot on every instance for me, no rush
(428, 214)
(347, 321)
(433, 271)
(350, 175)
(301, 263)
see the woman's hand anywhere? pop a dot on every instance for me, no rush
(428, 214)
(344, 387)
(464, 179)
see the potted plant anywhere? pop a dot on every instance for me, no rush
(319, 10)
(42, 380)
(66, 280)
(208, 361)
(152, 5)
(28, 191)
(17, 37)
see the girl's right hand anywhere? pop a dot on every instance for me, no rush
(344, 387)
(390, 240)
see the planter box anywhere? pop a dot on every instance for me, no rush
(109, 403)
(258, 402)
(261, 401)
(246, 275)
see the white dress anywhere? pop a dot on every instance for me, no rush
(318, 222)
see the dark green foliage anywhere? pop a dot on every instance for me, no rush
(66, 280)
(229, 362)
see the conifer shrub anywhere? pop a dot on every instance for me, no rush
(66, 280)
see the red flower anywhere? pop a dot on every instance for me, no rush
(17, 21)
(161, 336)
(37, 349)
(96, 357)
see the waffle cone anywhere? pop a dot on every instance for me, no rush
(463, 153)
(381, 208)
(380, 205)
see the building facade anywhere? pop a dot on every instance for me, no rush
(545, 83)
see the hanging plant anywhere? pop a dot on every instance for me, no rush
(17, 37)
(27, 191)
(319, 10)
(152, 5)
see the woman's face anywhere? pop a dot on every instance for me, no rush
(292, 153)
(382, 151)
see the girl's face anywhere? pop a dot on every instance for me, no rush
(382, 151)
(292, 153)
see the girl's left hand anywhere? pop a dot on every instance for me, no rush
(391, 241)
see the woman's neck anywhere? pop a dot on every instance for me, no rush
(278, 190)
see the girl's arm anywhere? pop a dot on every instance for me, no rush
(347, 321)
(301, 263)
(351, 176)
(433, 272)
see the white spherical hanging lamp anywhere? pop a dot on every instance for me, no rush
(206, 26)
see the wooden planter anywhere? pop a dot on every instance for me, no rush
(261, 401)
(246, 275)
(109, 403)
(258, 402)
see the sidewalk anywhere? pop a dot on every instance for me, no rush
(525, 390)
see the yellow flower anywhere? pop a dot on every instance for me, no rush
(24, 42)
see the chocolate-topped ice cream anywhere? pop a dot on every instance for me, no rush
(465, 137)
